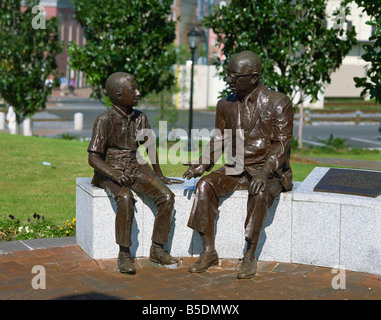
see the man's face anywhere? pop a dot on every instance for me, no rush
(241, 78)
(130, 94)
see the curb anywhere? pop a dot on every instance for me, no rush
(7, 247)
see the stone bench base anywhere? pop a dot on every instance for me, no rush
(303, 226)
(96, 231)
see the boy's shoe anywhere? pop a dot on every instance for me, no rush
(204, 262)
(159, 255)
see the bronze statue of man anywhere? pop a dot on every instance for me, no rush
(265, 118)
(113, 153)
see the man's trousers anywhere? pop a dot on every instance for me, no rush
(217, 184)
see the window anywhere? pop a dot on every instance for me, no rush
(349, 25)
(373, 30)
(62, 27)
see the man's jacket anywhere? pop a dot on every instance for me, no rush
(265, 141)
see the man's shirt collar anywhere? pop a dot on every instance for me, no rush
(253, 95)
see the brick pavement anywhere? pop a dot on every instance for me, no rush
(72, 275)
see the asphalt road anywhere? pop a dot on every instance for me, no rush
(364, 135)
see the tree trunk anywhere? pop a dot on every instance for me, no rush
(162, 112)
(18, 123)
(300, 130)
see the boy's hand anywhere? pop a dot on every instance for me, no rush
(121, 179)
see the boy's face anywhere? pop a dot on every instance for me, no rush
(130, 94)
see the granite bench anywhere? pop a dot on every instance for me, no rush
(303, 226)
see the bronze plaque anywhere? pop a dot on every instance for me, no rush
(347, 181)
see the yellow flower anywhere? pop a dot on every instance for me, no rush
(74, 220)
(5, 65)
(61, 228)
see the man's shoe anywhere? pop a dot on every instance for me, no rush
(159, 255)
(126, 264)
(248, 268)
(205, 261)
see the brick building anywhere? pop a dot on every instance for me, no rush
(69, 30)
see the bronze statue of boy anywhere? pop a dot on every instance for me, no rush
(113, 153)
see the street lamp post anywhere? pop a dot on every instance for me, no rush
(193, 40)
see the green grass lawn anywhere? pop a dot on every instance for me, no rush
(27, 186)
(354, 154)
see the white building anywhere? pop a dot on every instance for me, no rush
(342, 84)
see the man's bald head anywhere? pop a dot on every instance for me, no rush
(247, 60)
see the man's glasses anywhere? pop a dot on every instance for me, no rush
(236, 77)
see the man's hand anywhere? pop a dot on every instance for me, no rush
(258, 183)
(194, 170)
(171, 180)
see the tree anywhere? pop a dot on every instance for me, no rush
(297, 50)
(131, 36)
(372, 84)
(28, 47)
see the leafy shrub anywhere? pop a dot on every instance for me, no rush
(334, 143)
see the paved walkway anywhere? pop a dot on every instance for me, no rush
(71, 274)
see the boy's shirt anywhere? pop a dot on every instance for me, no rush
(114, 138)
